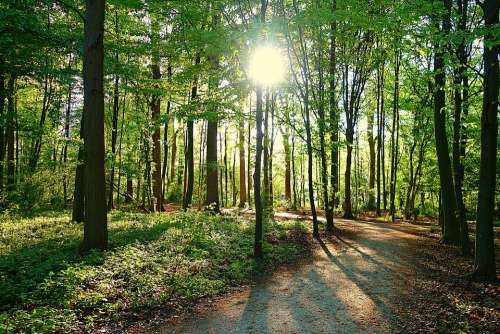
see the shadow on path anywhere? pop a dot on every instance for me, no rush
(348, 289)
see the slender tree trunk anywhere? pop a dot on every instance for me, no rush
(155, 117)
(451, 226)
(379, 140)
(190, 149)
(395, 137)
(164, 175)
(485, 267)
(334, 132)
(95, 235)
(243, 187)
(173, 157)
(322, 130)
(294, 177)
(371, 177)
(114, 128)
(256, 177)
(226, 169)
(78, 213)
(266, 152)
(457, 127)
(2, 132)
(286, 145)
(10, 135)
(67, 136)
(249, 160)
(382, 131)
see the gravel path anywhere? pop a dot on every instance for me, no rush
(351, 285)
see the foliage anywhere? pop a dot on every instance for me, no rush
(154, 260)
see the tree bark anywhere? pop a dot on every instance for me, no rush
(155, 117)
(188, 196)
(485, 245)
(10, 135)
(451, 227)
(334, 132)
(2, 131)
(78, 213)
(95, 235)
(457, 149)
(243, 187)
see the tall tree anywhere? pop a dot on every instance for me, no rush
(451, 228)
(155, 114)
(95, 233)
(485, 267)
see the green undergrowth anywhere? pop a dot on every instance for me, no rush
(153, 261)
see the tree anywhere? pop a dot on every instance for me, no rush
(451, 228)
(95, 234)
(485, 245)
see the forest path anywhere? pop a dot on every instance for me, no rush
(352, 284)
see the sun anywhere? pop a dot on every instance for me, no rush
(267, 66)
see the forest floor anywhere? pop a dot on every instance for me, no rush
(371, 277)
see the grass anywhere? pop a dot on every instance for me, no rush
(154, 260)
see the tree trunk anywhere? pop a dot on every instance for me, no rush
(10, 135)
(458, 166)
(155, 117)
(173, 157)
(395, 137)
(243, 187)
(379, 140)
(485, 242)
(188, 196)
(2, 132)
(286, 145)
(114, 129)
(256, 177)
(164, 175)
(78, 213)
(95, 235)
(451, 227)
(334, 132)
(371, 178)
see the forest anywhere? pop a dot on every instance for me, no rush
(249, 166)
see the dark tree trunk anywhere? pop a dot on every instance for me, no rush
(379, 139)
(485, 242)
(67, 136)
(114, 128)
(286, 145)
(249, 160)
(189, 185)
(212, 198)
(395, 138)
(78, 213)
(458, 166)
(322, 130)
(334, 132)
(155, 117)
(2, 131)
(10, 135)
(164, 175)
(173, 157)
(371, 178)
(451, 227)
(95, 235)
(243, 187)
(256, 177)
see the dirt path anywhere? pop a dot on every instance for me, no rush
(351, 285)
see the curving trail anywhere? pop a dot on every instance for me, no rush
(353, 284)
